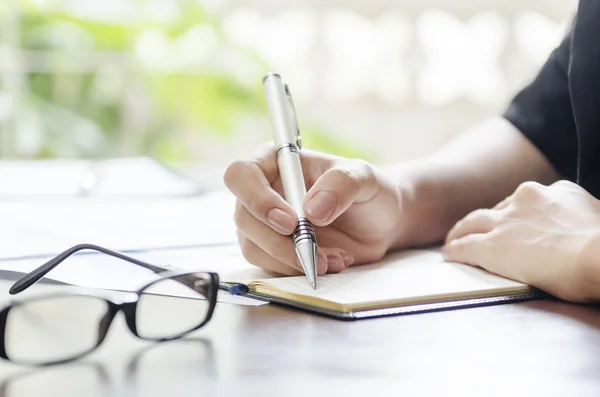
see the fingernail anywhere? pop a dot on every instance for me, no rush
(321, 205)
(348, 259)
(281, 220)
(334, 261)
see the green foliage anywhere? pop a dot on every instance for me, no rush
(82, 113)
(319, 139)
(41, 31)
(213, 101)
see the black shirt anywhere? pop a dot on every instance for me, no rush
(559, 111)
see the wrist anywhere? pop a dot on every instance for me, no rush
(412, 227)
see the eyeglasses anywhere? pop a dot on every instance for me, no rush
(61, 327)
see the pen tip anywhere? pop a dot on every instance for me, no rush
(314, 285)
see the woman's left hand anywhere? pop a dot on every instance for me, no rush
(544, 236)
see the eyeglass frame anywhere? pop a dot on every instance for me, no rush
(127, 304)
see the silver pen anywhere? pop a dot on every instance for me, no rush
(288, 143)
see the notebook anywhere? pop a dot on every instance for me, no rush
(411, 281)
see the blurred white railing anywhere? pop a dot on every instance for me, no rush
(401, 77)
(398, 77)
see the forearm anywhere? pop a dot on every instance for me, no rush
(476, 170)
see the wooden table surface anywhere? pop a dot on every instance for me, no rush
(535, 348)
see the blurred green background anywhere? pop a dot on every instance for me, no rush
(144, 82)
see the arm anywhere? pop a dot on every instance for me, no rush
(535, 140)
(544, 236)
(476, 170)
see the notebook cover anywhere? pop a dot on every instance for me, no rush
(242, 290)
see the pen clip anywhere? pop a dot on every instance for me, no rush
(297, 127)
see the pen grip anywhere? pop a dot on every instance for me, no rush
(290, 170)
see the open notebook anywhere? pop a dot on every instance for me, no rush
(403, 282)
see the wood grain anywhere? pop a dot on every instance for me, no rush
(535, 348)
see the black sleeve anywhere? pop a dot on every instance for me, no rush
(542, 111)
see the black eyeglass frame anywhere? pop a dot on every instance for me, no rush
(127, 305)
(37, 274)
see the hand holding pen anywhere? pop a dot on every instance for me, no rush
(345, 201)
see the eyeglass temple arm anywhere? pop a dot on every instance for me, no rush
(34, 276)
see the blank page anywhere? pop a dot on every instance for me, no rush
(45, 228)
(403, 275)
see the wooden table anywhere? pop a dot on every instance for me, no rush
(540, 348)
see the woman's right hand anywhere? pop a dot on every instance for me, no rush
(355, 207)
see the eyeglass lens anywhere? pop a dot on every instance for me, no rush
(53, 328)
(50, 329)
(185, 308)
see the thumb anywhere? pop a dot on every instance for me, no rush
(348, 182)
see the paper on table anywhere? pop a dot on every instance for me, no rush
(139, 176)
(36, 228)
(100, 271)
(42, 213)
(407, 274)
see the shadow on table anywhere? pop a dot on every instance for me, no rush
(587, 314)
(63, 380)
(204, 346)
(91, 378)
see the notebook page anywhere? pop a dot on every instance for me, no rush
(408, 274)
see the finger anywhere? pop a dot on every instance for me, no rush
(250, 182)
(470, 250)
(338, 188)
(258, 257)
(335, 264)
(282, 247)
(334, 256)
(274, 244)
(478, 221)
(503, 204)
(338, 260)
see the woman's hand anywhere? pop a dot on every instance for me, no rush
(354, 207)
(545, 236)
